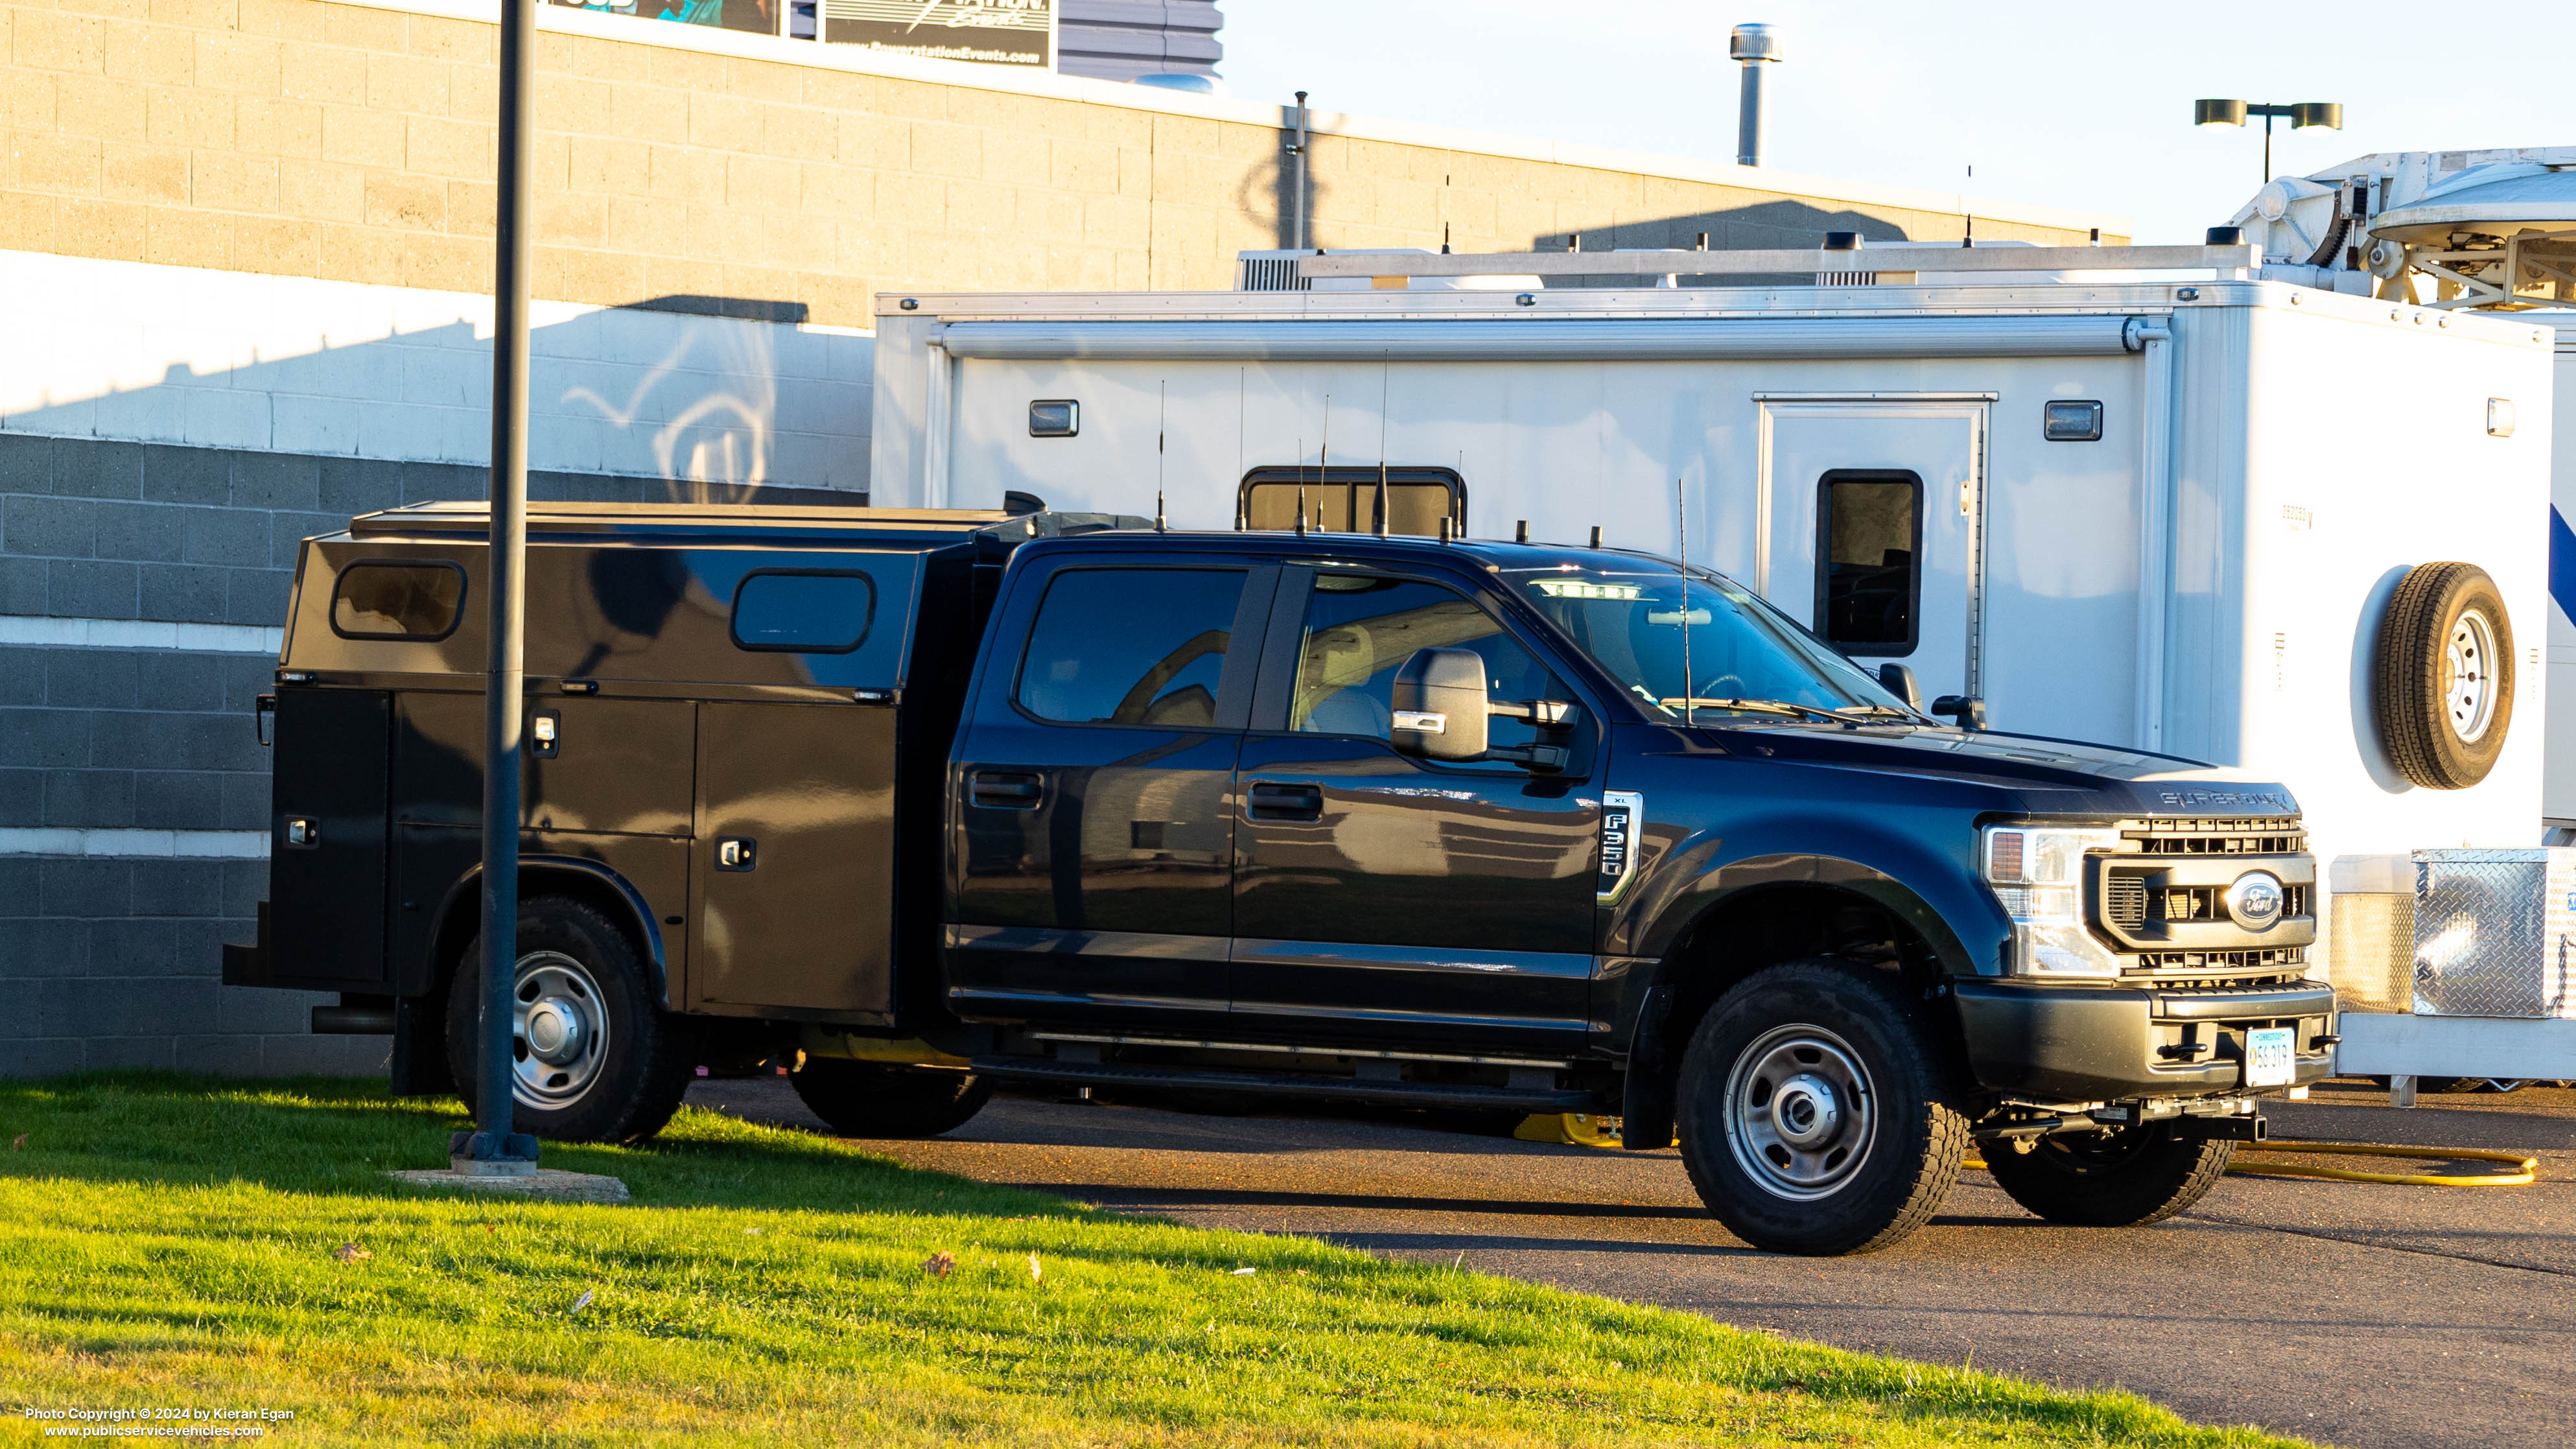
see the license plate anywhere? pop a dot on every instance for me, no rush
(2271, 1056)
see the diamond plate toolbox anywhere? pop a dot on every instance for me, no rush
(2495, 933)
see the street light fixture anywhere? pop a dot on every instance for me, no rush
(2301, 114)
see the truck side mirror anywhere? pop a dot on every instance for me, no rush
(1440, 705)
(1968, 709)
(1898, 680)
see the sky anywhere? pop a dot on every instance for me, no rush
(2085, 106)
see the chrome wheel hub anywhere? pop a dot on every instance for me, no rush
(1800, 1112)
(559, 1031)
(2468, 676)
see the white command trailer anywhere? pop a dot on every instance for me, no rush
(2193, 517)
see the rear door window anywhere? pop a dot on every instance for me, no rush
(1131, 646)
(397, 599)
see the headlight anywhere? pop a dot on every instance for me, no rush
(2038, 874)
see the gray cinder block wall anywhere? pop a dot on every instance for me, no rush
(134, 796)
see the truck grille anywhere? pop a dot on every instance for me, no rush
(2163, 897)
(2214, 837)
(2127, 901)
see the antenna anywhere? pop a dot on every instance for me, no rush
(1301, 510)
(1324, 459)
(1596, 535)
(1521, 533)
(1444, 528)
(1160, 526)
(1385, 376)
(1690, 676)
(1162, 413)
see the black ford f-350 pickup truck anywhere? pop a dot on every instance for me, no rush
(921, 802)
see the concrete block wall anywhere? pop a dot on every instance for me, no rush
(354, 141)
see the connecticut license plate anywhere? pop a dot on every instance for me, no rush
(2271, 1056)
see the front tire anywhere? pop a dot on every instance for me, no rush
(865, 1099)
(2124, 1179)
(1815, 1115)
(593, 1058)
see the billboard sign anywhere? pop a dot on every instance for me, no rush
(988, 32)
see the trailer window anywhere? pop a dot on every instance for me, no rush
(808, 611)
(397, 599)
(1131, 647)
(1869, 549)
(1344, 499)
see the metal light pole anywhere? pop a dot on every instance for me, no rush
(1297, 236)
(2302, 114)
(495, 1150)
(1756, 47)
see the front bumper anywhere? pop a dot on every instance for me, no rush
(2104, 1043)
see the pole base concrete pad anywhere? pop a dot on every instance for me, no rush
(545, 1182)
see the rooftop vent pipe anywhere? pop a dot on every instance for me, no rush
(1754, 46)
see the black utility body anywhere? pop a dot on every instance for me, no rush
(920, 802)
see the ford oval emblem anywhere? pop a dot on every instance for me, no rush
(2255, 900)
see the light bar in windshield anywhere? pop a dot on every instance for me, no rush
(1577, 589)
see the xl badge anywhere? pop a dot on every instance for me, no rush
(1622, 811)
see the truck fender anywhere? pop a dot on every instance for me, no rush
(460, 914)
(1668, 999)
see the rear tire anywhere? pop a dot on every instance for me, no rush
(865, 1099)
(607, 1065)
(1814, 1114)
(2123, 1179)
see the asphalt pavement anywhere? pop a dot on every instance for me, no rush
(2357, 1314)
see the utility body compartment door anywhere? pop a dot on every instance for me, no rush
(327, 853)
(793, 871)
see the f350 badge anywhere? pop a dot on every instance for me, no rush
(1623, 812)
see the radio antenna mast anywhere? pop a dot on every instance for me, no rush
(1324, 458)
(1162, 413)
(1385, 375)
(1690, 677)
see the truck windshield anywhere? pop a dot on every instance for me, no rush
(1633, 615)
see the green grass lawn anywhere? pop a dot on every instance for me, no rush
(170, 1241)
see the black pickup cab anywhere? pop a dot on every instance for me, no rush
(922, 802)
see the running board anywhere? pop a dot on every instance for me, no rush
(1288, 1084)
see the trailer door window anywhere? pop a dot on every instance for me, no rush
(1141, 646)
(397, 599)
(1869, 570)
(1344, 499)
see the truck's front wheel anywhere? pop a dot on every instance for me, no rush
(1814, 1117)
(592, 1059)
(2126, 1178)
(865, 1099)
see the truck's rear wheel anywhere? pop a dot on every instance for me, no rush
(866, 1099)
(593, 1059)
(2121, 1179)
(1814, 1116)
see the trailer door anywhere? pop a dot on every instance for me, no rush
(1872, 534)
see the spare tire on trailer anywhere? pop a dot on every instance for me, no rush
(2442, 678)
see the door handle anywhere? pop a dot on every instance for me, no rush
(1004, 790)
(1268, 801)
(737, 852)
